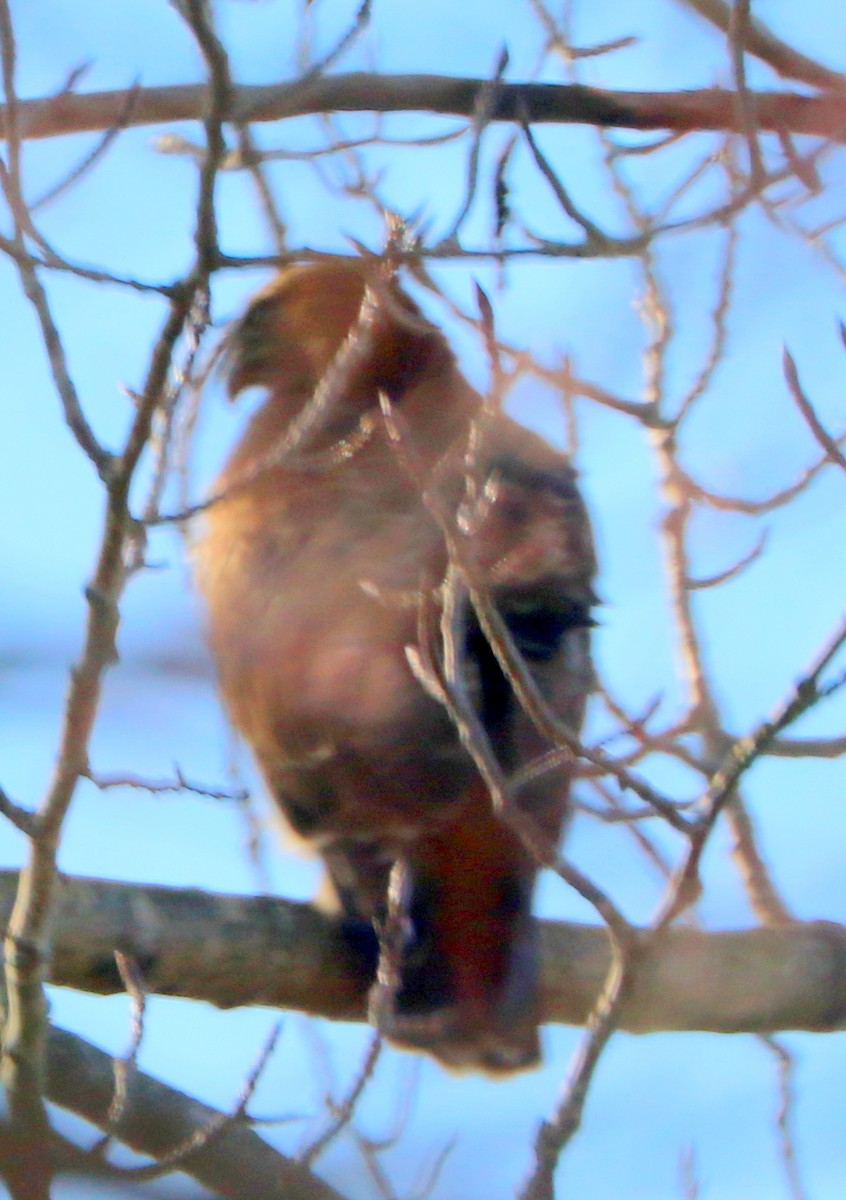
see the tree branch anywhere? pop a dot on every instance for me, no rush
(362, 91)
(763, 43)
(80, 1078)
(233, 950)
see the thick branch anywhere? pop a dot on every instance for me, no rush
(708, 108)
(232, 950)
(237, 1163)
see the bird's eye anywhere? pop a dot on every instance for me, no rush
(539, 629)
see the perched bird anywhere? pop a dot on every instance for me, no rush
(370, 468)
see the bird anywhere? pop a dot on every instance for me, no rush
(370, 478)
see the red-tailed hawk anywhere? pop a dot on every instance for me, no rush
(323, 565)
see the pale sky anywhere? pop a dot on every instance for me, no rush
(655, 1097)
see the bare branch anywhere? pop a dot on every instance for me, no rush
(591, 231)
(738, 32)
(731, 572)
(238, 1163)
(688, 1175)
(563, 377)
(12, 183)
(555, 1134)
(26, 944)
(754, 508)
(781, 747)
(807, 410)
(22, 818)
(803, 696)
(27, 934)
(90, 160)
(685, 112)
(719, 324)
(786, 1115)
(720, 793)
(213, 1130)
(763, 43)
(216, 107)
(483, 111)
(557, 38)
(157, 787)
(126, 1066)
(348, 37)
(342, 1113)
(236, 950)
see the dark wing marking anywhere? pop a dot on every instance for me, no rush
(538, 625)
(512, 468)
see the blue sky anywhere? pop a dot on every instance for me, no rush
(655, 1097)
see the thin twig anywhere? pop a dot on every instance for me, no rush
(214, 1129)
(483, 110)
(556, 1133)
(125, 1066)
(22, 818)
(764, 44)
(737, 36)
(348, 37)
(342, 1113)
(803, 696)
(12, 182)
(719, 326)
(721, 577)
(786, 1115)
(83, 168)
(592, 232)
(158, 787)
(808, 411)
(754, 508)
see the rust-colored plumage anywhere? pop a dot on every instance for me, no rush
(320, 567)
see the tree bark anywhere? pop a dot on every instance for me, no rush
(683, 111)
(157, 1118)
(236, 950)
